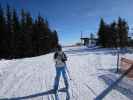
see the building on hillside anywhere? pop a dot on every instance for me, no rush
(130, 40)
(89, 42)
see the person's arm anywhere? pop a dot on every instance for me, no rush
(64, 57)
(55, 55)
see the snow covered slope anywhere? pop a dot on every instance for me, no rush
(31, 78)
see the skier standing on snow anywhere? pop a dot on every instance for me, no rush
(60, 65)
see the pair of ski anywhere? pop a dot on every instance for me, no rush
(55, 95)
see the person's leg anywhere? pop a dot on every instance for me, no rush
(57, 78)
(65, 77)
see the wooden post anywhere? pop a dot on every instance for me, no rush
(118, 55)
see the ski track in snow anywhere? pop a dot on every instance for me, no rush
(30, 76)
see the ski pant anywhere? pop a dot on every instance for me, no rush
(59, 71)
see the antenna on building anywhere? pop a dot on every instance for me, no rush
(81, 36)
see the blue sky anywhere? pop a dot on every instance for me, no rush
(70, 17)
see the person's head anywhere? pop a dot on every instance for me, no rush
(59, 48)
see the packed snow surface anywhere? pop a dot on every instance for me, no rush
(91, 69)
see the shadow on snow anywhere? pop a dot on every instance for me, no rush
(49, 92)
(121, 86)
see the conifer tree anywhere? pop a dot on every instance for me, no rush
(101, 33)
(2, 32)
(114, 35)
(8, 33)
(21, 36)
(15, 33)
(122, 29)
(28, 34)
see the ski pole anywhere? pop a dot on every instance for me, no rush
(68, 73)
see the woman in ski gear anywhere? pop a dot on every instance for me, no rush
(60, 65)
